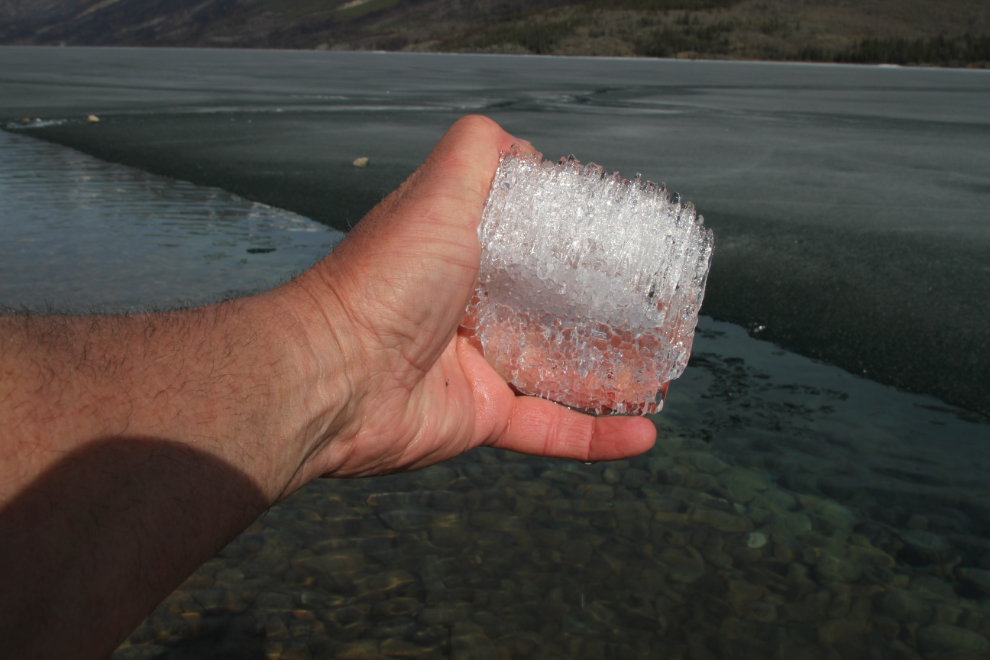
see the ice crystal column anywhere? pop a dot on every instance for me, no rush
(590, 284)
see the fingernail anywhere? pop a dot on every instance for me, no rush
(523, 145)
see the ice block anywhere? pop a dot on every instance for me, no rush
(590, 284)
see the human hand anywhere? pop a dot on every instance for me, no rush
(381, 315)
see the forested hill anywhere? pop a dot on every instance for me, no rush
(930, 32)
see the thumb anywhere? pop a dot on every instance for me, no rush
(409, 266)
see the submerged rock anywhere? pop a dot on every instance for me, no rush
(143, 652)
(905, 607)
(367, 649)
(925, 547)
(930, 586)
(756, 540)
(944, 636)
(977, 577)
(405, 520)
(835, 569)
(443, 614)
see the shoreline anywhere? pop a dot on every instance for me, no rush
(985, 67)
(865, 269)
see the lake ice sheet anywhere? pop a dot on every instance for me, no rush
(849, 201)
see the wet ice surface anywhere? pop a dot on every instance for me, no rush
(77, 233)
(849, 201)
(589, 285)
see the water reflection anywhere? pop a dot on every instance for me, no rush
(77, 232)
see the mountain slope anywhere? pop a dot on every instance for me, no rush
(950, 32)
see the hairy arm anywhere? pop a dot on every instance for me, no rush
(132, 449)
(135, 447)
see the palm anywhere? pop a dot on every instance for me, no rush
(407, 271)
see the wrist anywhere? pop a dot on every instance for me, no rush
(322, 381)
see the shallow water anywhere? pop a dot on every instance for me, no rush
(789, 510)
(79, 233)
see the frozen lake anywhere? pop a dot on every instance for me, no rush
(791, 508)
(849, 203)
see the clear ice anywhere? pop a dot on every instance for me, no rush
(590, 284)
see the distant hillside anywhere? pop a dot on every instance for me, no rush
(928, 32)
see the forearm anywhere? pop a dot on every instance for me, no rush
(133, 449)
(70, 381)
